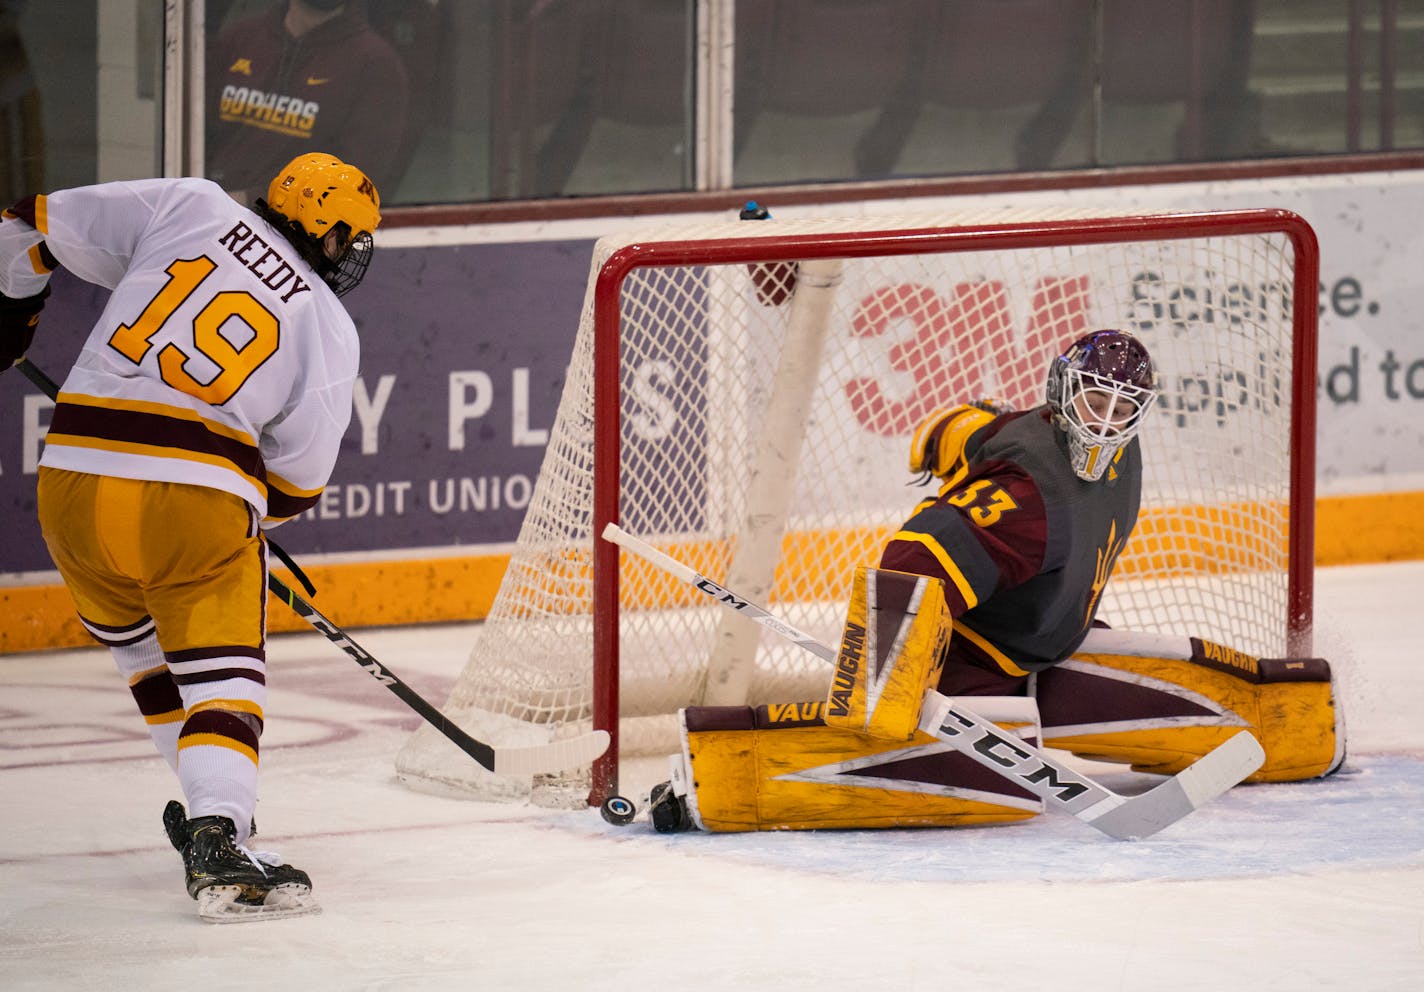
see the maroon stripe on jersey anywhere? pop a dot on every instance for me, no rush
(281, 505)
(999, 423)
(155, 429)
(912, 556)
(1018, 540)
(261, 592)
(156, 694)
(966, 678)
(222, 724)
(24, 209)
(977, 668)
(997, 537)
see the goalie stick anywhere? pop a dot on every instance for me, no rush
(955, 723)
(514, 761)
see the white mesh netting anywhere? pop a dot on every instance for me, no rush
(764, 442)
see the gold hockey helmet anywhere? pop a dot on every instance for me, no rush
(319, 194)
(316, 192)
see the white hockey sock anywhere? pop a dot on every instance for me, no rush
(142, 665)
(218, 745)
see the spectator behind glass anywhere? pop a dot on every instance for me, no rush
(303, 75)
(22, 153)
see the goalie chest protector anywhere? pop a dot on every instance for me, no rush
(1083, 525)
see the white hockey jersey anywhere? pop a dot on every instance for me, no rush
(221, 359)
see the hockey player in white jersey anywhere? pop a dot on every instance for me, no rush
(207, 405)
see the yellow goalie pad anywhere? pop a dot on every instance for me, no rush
(780, 767)
(892, 649)
(1160, 702)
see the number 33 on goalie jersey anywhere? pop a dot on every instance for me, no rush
(1024, 547)
(221, 359)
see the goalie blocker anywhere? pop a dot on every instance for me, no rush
(858, 759)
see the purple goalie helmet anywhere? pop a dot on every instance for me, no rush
(1099, 391)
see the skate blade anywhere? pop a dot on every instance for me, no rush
(225, 904)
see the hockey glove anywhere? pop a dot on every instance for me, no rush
(18, 320)
(993, 404)
(937, 448)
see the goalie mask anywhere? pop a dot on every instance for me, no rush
(328, 209)
(1099, 391)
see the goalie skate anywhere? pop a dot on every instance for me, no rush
(230, 883)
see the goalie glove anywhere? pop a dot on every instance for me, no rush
(18, 320)
(993, 404)
(937, 447)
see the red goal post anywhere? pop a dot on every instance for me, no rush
(927, 310)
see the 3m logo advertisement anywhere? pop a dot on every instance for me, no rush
(910, 335)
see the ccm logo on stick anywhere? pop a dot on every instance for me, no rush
(1015, 760)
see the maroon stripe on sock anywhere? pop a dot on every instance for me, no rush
(221, 651)
(156, 694)
(221, 723)
(220, 675)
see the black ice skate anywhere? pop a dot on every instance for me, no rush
(231, 883)
(668, 810)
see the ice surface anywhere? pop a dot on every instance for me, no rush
(1306, 886)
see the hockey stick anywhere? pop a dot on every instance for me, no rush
(517, 761)
(951, 721)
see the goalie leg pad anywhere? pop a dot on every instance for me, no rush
(781, 767)
(892, 649)
(1159, 703)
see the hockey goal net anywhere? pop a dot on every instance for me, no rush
(742, 396)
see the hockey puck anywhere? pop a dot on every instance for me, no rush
(618, 811)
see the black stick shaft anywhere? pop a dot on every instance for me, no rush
(478, 750)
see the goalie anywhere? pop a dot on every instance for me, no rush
(990, 589)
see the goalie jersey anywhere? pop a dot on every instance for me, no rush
(221, 359)
(1024, 547)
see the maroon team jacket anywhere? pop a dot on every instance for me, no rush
(339, 89)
